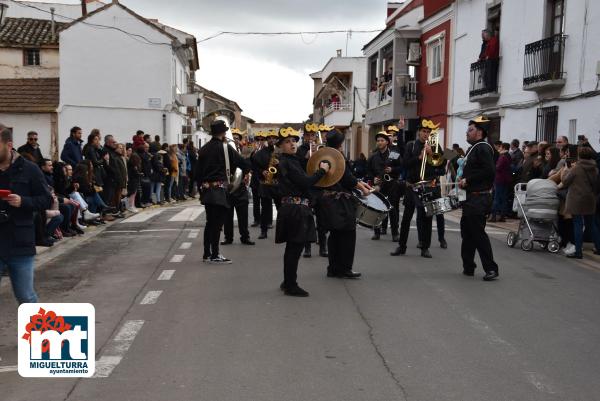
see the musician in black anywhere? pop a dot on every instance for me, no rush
(384, 168)
(295, 223)
(309, 146)
(477, 180)
(415, 151)
(239, 200)
(262, 160)
(212, 181)
(337, 211)
(259, 141)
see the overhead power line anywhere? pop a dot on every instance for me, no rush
(250, 33)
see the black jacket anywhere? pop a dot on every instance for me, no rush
(146, 164)
(17, 236)
(35, 153)
(293, 180)
(479, 168)
(380, 160)
(116, 175)
(301, 154)
(95, 155)
(412, 163)
(158, 169)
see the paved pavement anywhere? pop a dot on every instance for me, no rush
(172, 328)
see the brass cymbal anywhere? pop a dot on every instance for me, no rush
(335, 159)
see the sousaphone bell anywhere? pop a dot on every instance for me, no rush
(337, 165)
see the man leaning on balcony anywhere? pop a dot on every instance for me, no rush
(491, 55)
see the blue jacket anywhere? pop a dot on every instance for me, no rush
(17, 236)
(71, 153)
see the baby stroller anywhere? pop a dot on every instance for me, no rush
(537, 206)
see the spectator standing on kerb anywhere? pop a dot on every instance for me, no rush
(28, 195)
(71, 153)
(32, 148)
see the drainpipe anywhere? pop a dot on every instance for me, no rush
(3, 11)
(353, 115)
(83, 8)
(164, 124)
(53, 26)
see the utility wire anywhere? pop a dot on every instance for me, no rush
(250, 33)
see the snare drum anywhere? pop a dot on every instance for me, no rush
(371, 209)
(441, 205)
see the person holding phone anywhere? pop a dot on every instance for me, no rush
(23, 192)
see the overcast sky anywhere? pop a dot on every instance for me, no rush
(267, 76)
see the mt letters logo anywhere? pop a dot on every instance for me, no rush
(56, 340)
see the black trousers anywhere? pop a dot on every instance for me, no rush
(241, 208)
(342, 244)
(215, 218)
(423, 221)
(255, 205)
(291, 257)
(266, 216)
(393, 217)
(474, 237)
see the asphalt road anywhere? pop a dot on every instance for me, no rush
(410, 329)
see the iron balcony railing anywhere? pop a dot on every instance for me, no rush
(336, 107)
(410, 91)
(484, 77)
(544, 60)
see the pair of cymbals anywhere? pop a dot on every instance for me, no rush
(337, 165)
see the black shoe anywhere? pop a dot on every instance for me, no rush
(68, 233)
(349, 274)
(419, 245)
(443, 244)
(469, 273)
(323, 251)
(425, 253)
(262, 235)
(220, 260)
(78, 230)
(227, 242)
(282, 286)
(401, 250)
(307, 253)
(248, 242)
(205, 258)
(46, 242)
(395, 237)
(383, 232)
(489, 276)
(575, 256)
(375, 237)
(295, 291)
(255, 224)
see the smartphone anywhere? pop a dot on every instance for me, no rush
(4, 193)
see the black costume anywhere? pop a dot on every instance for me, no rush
(254, 187)
(337, 212)
(212, 183)
(378, 161)
(239, 201)
(479, 172)
(295, 223)
(268, 193)
(412, 163)
(316, 193)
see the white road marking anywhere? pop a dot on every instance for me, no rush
(193, 234)
(166, 275)
(142, 217)
(117, 348)
(185, 245)
(188, 214)
(12, 368)
(457, 230)
(151, 297)
(177, 258)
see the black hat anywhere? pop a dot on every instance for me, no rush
(218, 127)
(334, 138)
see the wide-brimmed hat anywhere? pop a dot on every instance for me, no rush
(384, 135)
(424, 123)
(218, 127)
(482, 123)
(334, 138)
(238, 132)
(288, 132)
(392, 129)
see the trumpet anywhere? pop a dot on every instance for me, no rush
(387, 177)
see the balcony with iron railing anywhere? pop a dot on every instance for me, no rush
(484, 81)
(544, 63)
(336, 106)
(409, 92)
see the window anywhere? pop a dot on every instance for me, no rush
(572, 131)
(31, 57)
(547, 124)
(557, 13)
(435, 58)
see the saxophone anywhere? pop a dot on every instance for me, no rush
(271, 170)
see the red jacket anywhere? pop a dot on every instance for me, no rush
(503, 170)
(492, 50)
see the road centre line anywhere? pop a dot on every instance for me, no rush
(177, 258)
(166, 275)
(185, 245)
(117, 348)
(151, 297)
(10, 368)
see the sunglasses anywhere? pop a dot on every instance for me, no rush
(33, 139)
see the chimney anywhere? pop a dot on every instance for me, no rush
(339, 52)
(3, 11)
(83, 8)
(53, 25)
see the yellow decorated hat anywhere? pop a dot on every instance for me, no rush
(311, 127)
(428, 124)
(384, 135)
(392, 128)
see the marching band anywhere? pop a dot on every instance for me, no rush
(314, 181)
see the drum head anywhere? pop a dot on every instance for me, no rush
(378, 201)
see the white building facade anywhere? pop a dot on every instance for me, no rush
(548, 71)
(121, 83)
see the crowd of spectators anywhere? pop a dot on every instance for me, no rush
(101, 180)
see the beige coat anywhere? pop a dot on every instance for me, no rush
(580, 180)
